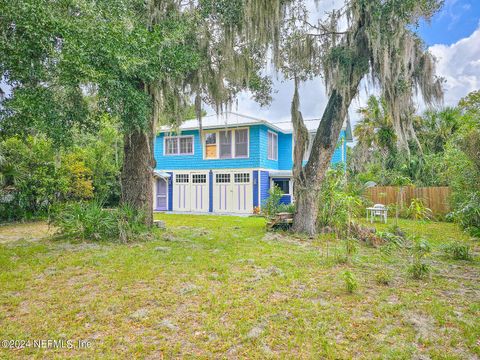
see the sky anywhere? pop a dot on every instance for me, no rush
(452, 36)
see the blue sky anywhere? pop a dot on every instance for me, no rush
(456, 20)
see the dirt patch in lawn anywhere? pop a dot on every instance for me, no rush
(32, 231)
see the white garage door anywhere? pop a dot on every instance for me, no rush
(232, 192)
(199, 192)
(190, 192)
(181, 192)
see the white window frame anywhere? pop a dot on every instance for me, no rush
(177, 138)
(217, 138)
(234, 142)
(269, 144)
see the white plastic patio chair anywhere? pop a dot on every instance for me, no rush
(381, 211)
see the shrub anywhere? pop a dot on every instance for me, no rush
(468, 214)
(338, 203)
(89, 221)
(418, 269)
(272, 206)
(418, 211)
(351, 283)
(458, 251)
(79, 177)
(288, 208)
(31, 181)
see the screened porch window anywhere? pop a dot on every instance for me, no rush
(241, 143)
(225, 144)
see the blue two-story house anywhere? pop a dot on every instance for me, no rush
(230, 166)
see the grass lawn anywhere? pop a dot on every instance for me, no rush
(220, 287)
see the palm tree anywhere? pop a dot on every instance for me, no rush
(373, 132)
(438, 127)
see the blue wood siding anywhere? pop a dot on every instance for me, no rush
(255, 188)
(285, 152)
(263, 147)
(286, 199)
(264, 186)
(196, 161)
(258, 153)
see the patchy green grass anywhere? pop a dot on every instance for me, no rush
(219, 287)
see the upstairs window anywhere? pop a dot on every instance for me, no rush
(272, 146)
(211, 145)
(241, 143)
(226, 144)
(178, 145)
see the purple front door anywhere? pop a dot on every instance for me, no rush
(161, 194)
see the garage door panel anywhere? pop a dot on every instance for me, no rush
(199, 192)
(181, 192)
(243, 197)
(233, 192)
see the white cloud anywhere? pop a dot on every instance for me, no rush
(459, 64)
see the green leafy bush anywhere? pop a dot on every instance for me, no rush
(288, 208)
(339, 203)
(458, 251)
(351, 283)
(271, 206)
(418, 211)
(419, 269)
(30, 178)
(89, 221)
(468, 214)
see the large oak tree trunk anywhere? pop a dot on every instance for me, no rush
(139, 162)
(308, 181)
(137, 173)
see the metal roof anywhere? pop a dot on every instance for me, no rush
(231, 119)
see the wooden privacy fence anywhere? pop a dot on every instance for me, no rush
(435, 197)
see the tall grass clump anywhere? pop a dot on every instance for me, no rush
(458, 251)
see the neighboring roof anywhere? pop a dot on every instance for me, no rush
(161, 174)
(231, 119)
(280, 173)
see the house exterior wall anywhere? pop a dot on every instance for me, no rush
(257, 164)
(197, 161)
(258, 153)
(264, 186)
